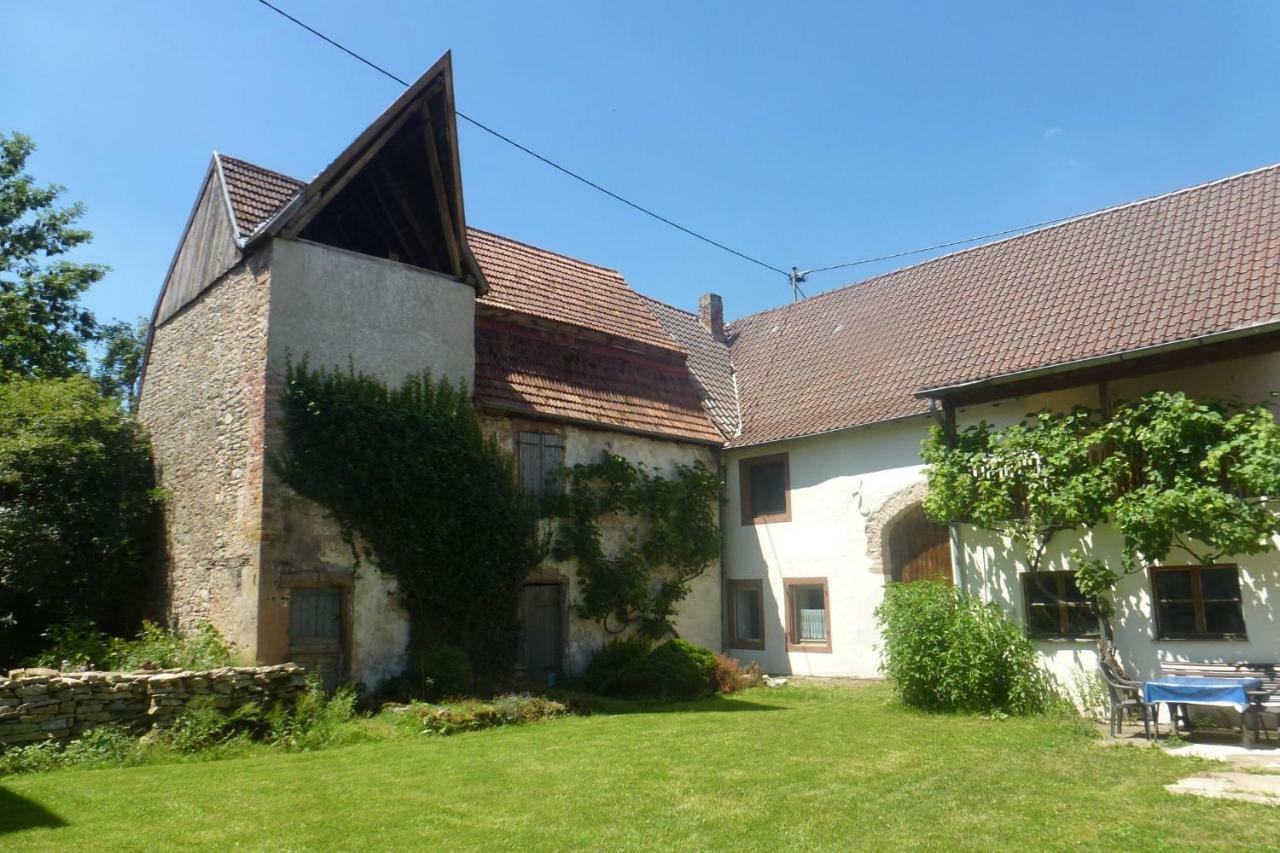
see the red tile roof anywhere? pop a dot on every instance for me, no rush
(1190, 263)
(256, 193)
(556, 373)
(641, 385)
(555, 287)
(708, 362)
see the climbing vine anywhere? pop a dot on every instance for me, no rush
(408, 474)
(1170, 473)
(671, 537)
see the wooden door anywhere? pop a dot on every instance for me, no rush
(919, 549)
(315, 632)
(540, 617)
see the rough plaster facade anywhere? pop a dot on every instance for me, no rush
(203, 405)
(698, 617)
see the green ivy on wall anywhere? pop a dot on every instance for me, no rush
(1170, 473)
(409, 470)
(671, 537)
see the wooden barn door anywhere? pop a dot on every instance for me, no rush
(919, 548)
(315, 632)
(540, 617)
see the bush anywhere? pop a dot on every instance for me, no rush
(444, 671)
(676, 669)
(731, 676)
(617, 668)
(155, 647)
(473, 715)
(315, 721)
(77, 511)
(947, 650)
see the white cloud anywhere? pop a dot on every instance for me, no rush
(1052, 132)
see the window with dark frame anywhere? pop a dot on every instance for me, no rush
(746, 614)
(765, 489)
(1198, 602)
(540, 456)
(808, 615)
(1055, 607)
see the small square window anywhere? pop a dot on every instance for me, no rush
(746, 614)
(808, 615)
(1198, 602)
(765, 489)
(1056, 608)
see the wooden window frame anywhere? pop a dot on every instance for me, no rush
(1064, 609)
(734, 641)
(788, 584)
(1197, 600)
(744, 488)
(548, 490)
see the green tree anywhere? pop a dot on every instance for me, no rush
(120, 360)
(1170, 473)
(77, 511)
(43, 326)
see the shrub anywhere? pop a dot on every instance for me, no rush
(947, 650)
(731, 676)
(155, 647)
(617, 668)
(444, 671)
(315, 721)
(202, 726)
(473, 715)
(678, 669)
(77, 511)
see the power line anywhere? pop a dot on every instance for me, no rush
(993, 235)
(527, 150)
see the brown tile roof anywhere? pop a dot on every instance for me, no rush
(256, 193)
(544, 284)
(556, 373)
(1190, 263)
(708, 362)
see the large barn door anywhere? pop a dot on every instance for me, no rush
(919, 548)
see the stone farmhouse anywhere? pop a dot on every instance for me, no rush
(814, 412)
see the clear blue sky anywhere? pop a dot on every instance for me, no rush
(804, 134)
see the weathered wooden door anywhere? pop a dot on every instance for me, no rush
(540, 617)
(315, 632)
(919, 548)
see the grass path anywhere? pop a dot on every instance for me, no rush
(800, 767)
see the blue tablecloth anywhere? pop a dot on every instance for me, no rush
(1198, 690)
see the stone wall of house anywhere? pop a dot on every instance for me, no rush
(44, 704)
(698, 616)
(202, 402)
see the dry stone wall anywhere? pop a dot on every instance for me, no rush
(42, 704)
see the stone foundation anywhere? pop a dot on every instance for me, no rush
(44, 704)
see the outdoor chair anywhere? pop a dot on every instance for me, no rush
(1126, 698)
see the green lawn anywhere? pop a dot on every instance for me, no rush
(799, 767)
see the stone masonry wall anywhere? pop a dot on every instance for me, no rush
(202, 402)
(44, 704)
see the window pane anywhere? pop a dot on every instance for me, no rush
(1221, 584)
(1041, 587)
(1177, 619)
(768, 489)
(1174, 584)
(1082, 621)
(1071, 592)
(746, 615)
(810, 614)
(1042, 619)
(1223, 617)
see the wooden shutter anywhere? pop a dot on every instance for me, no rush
(541, 454)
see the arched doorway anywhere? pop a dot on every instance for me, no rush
(918, 547)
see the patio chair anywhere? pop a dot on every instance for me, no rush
(1126, 698)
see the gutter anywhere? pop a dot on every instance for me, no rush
(1102, 360)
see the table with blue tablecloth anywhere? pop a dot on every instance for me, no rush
(1199, 690)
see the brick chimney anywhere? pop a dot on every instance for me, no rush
(711, 314)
